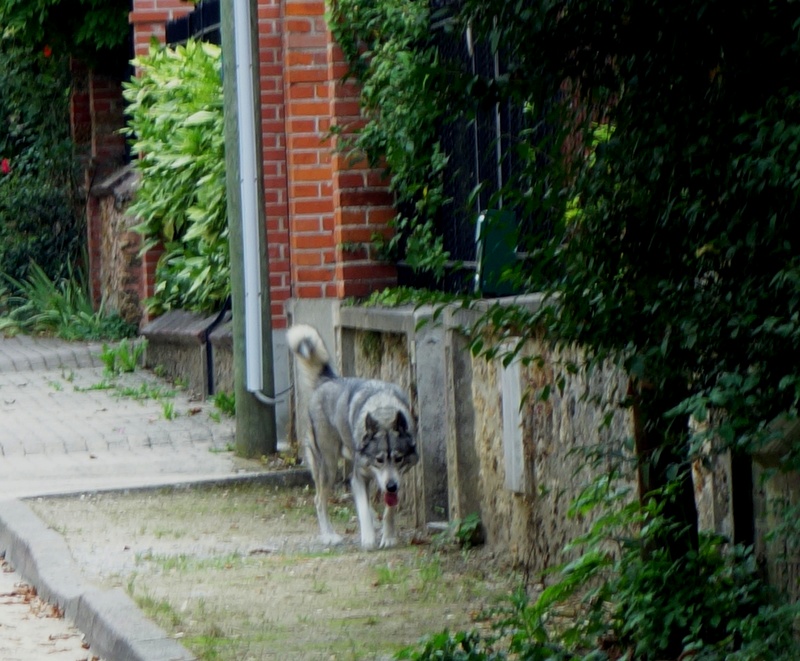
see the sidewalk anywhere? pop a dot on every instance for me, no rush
(66, 427)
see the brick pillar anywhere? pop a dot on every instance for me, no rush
(273, 136)
(107, 117)
(309, 159)
(149, 19)
(362, 201)
(333, 205)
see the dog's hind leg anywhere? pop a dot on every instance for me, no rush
(323, 481)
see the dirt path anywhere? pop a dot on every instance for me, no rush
(238, 573)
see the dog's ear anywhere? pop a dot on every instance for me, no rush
(371, 425)
(400, 423)
(371, 429)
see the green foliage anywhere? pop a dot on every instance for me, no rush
(625, 596)
(63, 308)
(176, 123)
(40, 210)
(388, 45)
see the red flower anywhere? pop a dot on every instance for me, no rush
(5, 166)
(47, 51)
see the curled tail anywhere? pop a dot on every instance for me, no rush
(315, 362)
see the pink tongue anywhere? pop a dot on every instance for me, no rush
(390, 499)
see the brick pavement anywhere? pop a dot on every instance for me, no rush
(66, 426)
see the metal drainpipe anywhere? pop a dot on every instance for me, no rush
(254, 297)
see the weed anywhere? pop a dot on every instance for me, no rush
(158, 609)
(466, 532)
(388, 575)
(225, 403)
(105, 384)
(123, 358)
(168, 409)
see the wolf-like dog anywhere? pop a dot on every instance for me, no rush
(365, 421)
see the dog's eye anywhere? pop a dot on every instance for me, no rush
(398, 458)
(380, 459)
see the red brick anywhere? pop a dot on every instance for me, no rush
(363, 198)
(311, 109)
(312, 241)
(307, 75)
(304, 8)
(311, 174)
(295, 25)
(313, 206)
(301, 258)
(321, 274)
(309, 291)
(307, 225)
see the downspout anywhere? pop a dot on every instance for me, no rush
(256, 299)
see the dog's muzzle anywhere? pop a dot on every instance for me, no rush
(390, 495)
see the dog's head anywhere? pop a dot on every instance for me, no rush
(388, 450)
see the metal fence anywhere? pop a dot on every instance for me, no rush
(202, 24)
(480, 149)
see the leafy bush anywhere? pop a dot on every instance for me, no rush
(176, 124)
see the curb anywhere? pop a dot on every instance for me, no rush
(113, 625)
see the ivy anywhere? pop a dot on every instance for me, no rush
(89, 29)
(404, 97)
(41, 216)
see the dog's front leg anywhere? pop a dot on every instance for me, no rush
(364, 512)
(389, 536)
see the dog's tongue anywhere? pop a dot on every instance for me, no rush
(390, 499)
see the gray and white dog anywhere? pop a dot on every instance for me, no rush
(365, 421)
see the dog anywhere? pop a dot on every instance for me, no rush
(364, 421)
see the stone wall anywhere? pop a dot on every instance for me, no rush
(558, 439)
(117, 268)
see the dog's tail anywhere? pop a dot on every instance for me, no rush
(308, 346)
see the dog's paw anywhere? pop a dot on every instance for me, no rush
(388, 542)
(368, 542)
(331, 539)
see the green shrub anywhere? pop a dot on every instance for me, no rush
(176, 125)
(626, 597)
